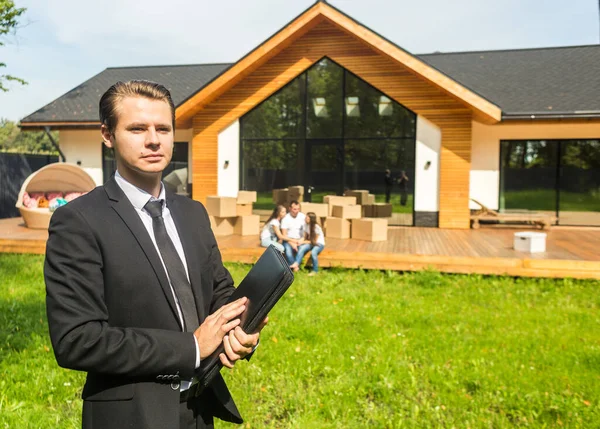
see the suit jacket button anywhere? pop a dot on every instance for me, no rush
(175, 386)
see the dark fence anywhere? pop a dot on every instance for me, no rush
(14, 169)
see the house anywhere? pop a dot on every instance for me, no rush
(329, 104)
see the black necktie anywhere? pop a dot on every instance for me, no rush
(175, 268)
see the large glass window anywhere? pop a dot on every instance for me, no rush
(279, 116)
(324, 101)
(561, 177)
(329, 131)
(579, 182)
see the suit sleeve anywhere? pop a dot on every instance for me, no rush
(78, 317)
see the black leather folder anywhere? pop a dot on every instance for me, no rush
(264, 285)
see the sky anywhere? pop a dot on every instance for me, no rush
(62, 43)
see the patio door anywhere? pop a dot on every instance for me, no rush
(558, 177)
(324, 169)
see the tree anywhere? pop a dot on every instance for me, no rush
(12, 139)
(9, 20)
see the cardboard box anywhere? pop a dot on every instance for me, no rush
(280, 196)
(382, 210)
(323, 223)
(321, 210)
(295, 193)
(336, 200)
(338, 227)
(222, 225)
(244, 209)
(221, 206)
(247, 225)
(531, 242)
(361, 195)
(369, 229)
(368, 210)
(347, 212)
(246, 197)
(370, 199)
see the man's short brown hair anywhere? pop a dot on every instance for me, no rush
(132, 88)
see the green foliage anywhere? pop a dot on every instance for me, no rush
(545, 199)
(12, 139)
(361, 349)
(9, 20)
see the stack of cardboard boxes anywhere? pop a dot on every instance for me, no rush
(230, 215)
(369, 207)
(346, 220)
(286, 195)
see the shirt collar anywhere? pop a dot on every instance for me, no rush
(138, 197)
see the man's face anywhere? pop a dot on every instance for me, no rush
(143, 137)
(294, 209)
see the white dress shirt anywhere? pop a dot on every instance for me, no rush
(138, 198)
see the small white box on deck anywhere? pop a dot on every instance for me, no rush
(529, 241)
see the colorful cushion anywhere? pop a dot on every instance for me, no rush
(29, 202)
(52, 195)
(70, 196)
(43, 202)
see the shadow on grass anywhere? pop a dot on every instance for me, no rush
(22, 323)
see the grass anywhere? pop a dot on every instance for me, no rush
(264, 201)
(545, 199)
(357, 349)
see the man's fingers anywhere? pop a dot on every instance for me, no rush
(225, 361)
(245, 340)
(227, 307)
(229, 326)
(231, 354)
(240, 342)
(231, 313)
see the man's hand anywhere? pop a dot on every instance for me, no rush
(294, 245)
(238, 344)
(211, 332)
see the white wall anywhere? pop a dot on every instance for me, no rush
(485, 151)
(86, 146)
(427, 180)
(229, 150)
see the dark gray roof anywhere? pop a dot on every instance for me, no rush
(550, 82)
(81, 103)
(525, 82)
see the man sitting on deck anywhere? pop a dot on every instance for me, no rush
(292, 228)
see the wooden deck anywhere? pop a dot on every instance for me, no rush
(571, 252)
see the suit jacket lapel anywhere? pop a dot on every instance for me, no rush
(127, 212)
(184, 226)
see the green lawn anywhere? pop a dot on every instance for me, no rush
(357, 349)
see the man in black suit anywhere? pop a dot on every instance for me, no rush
(135, 284)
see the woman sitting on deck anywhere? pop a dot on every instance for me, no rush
(271, 232)
(314, 240)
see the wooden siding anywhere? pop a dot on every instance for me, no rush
(381, 71)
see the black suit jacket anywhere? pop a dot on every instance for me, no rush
(111, 311)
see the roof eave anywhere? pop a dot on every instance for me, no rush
(483, 109)
(540, 116)
(59, 125)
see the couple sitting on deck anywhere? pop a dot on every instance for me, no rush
(298, 232)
